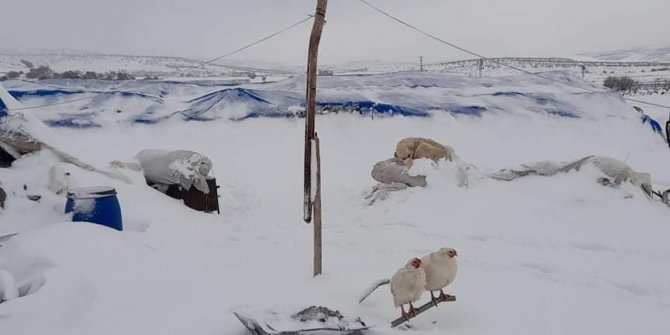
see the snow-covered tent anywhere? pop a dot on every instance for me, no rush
(408, 94)
(22, 133)
(7, 102)
(13, 141)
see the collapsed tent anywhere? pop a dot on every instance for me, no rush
(22, 133)
(613, 171)
(14, 141)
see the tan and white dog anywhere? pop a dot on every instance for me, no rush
(411, 148)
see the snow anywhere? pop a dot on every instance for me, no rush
(550, 255)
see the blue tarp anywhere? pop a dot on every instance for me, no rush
(278, 103)
(655, 126)
(19, 94)
(239, 103)
(547, 103)
(3, 109)
(409, 94)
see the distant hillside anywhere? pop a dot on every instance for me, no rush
(595, 71)
(60, 61)
(634, 55)
(372, 66)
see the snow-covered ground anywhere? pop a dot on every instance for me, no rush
(539, 255)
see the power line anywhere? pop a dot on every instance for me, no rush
(257, 42)
(53, 104)
(441, 40)
(647, 103)
(490, 59)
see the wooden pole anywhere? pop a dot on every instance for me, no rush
(314, 39)
(481, 66)
(317, 211)
(311, 139)
(423, 308)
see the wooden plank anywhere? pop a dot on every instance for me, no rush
(420, 310)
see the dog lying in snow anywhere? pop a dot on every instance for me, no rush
(411, 148)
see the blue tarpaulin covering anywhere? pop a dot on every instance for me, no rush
(42, 93)
(655, 126)
(3, 108)
(407, 94)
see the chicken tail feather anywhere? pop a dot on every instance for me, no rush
(373, 287)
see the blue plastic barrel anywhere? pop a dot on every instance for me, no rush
(96, 204)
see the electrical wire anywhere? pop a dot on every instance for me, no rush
(257, 42)
(452, 45)
(52, 104)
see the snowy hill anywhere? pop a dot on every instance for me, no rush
(11, 60)
(595, 71)
(538, 255)
(634, 55)
(372, 66)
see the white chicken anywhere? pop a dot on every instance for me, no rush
(407, 285)
(440, 267)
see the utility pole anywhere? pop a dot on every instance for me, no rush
(420, 63)
(311, 138)
(481, 66)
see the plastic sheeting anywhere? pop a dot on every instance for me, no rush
(394, 171)
(615, 170)
(183, 167)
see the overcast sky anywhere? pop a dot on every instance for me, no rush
(209, 28)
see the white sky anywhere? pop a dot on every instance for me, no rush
(209, 28)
